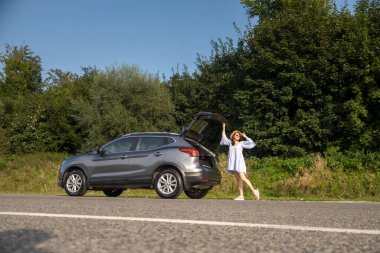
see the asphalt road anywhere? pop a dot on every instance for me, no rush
(41, 223)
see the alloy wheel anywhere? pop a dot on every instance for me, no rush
(74, 183)
(167, 183)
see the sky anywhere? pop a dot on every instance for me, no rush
(157, 36)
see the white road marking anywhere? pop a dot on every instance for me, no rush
(198, 222)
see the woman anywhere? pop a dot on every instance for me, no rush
(236, 163)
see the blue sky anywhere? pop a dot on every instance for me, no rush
(155, 35)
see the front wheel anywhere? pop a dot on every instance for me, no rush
(196, 193)
(113, 192)
(168, 184)
(75, 183)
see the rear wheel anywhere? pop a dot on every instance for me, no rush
(75, 183)
(169, 184)
(113, 192)
(196, 193)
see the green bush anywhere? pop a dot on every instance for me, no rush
(352, 161)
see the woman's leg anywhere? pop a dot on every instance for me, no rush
(239, 183)
(244, 179)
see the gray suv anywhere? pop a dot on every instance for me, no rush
(167, 162)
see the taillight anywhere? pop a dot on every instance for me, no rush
(191, 151)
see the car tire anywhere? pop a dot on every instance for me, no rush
(196, 193)
(168, 184)
(113, 192)
(75, 183)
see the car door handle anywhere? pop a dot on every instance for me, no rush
(157, 154)
(123, 157)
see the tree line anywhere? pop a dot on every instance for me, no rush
(302, 77)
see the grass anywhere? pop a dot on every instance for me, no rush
(305, 178)
(312, 177)
(31, 173)
(317, 180)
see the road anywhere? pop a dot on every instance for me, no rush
(53, 223)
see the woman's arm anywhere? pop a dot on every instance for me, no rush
(224, 140)
(248, 143)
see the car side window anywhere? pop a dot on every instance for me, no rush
(120, 145)
(169, 140)
(149, 143)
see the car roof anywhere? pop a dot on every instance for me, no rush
(152, 134)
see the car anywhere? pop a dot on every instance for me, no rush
(169, 163)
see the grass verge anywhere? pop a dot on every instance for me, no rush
(311, 178)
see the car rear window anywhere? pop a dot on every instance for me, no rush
(199, 126)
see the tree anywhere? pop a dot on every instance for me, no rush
(20, 80)
(123, 100)
(367, 15)
(22, 71)
(304, 78)
(289, 110)
(63, 89)
(309, 78)
(214, 87)
(4, 142)
(184, 90)
(38, 116)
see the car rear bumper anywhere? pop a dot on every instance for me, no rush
(202, 179)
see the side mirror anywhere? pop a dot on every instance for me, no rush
(100, 151)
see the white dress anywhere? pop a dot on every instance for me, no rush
(236, 161)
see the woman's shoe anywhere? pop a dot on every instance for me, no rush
(257, 194)
(239, 198)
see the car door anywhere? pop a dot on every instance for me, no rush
(148, 156)
(110, 165)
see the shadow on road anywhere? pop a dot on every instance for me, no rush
(23, 240)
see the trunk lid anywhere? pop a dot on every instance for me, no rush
(205, 129)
